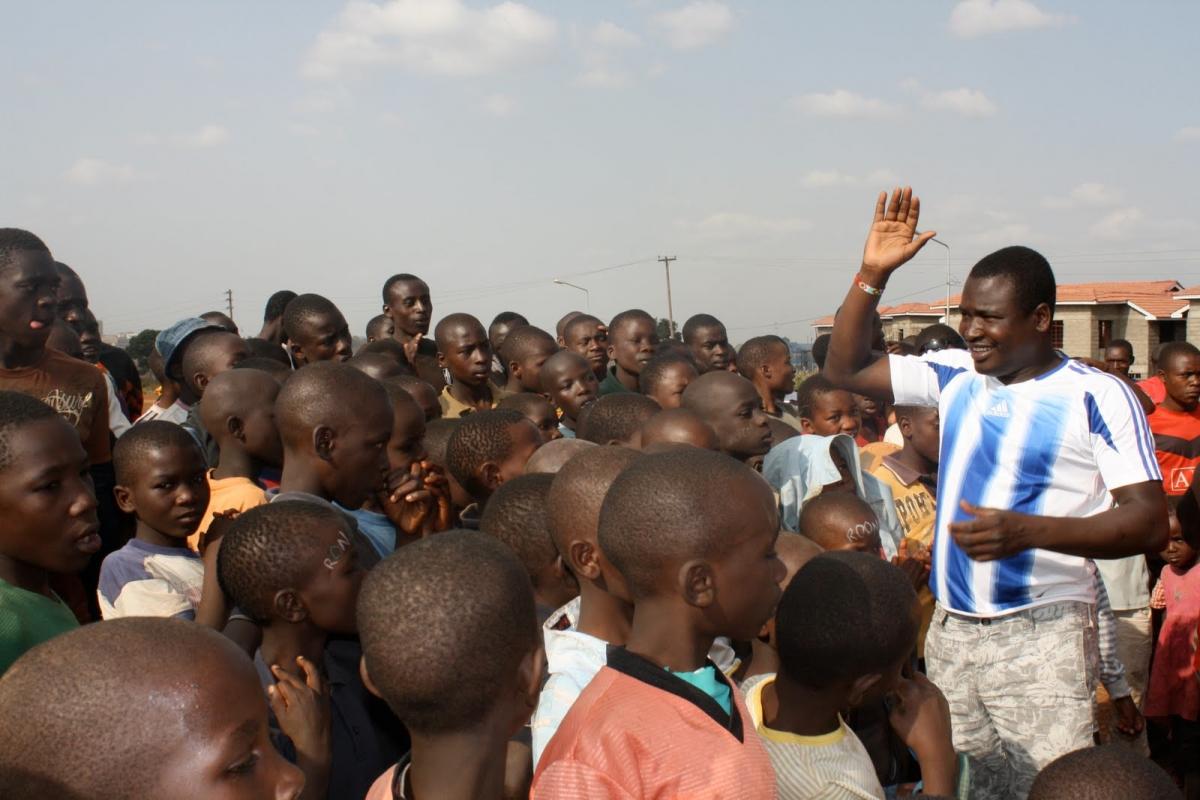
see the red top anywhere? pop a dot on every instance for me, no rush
(1177, 446)
(1174, 690)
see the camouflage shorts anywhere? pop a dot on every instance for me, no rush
(1019, 687)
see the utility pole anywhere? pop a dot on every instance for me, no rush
(666, 262)
(229, 301)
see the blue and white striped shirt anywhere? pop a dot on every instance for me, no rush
(1056, 445)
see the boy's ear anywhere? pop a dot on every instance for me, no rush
(124, 497)
(514, 369)
(806, 425)
(366, 676)
(490, 476)
(289, 606)
(612, 352)
(697, 583)
(582, 559)
(297, 353)
(236, 427)
(441, 359)
(529, 677)
(324, 438)
(200, 380)
(862, 686)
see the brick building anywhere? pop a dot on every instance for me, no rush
(1086, 317)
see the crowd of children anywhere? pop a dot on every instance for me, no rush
(497, 561)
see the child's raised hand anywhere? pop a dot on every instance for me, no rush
(893, 238)
(915, 569)
(410, 349)
(1130, 721)
(921, 718)
(302, 708)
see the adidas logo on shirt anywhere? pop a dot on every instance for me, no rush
(999, 409)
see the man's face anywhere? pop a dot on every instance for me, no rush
(1118, 359)
(323, 337)
(544, 418)
(409, 307)
(28, 298)
(227, 351)
(922, 429)
(46, 499)
(499, 331)
(711, 349)
(590, 339)
(632, 344)
(89, 338)
(833, 413)
(1001, 338)
(735, 413)
(359, 457)
(668, 392)
(467, 354)
(749, 573)
(572, 385)
(1181, 376)
(529, 369)
(72, 301)
(783, 373)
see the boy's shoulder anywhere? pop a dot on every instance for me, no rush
(27, 619)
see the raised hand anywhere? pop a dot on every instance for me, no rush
(893, 238)
(410, 349)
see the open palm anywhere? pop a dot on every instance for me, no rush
(893, 238)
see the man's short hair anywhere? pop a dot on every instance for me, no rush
(1105, 772)
(304, 308)
(626, 316)
(481, 437)
(445, 623)
(669, 507)
(403, 277)
(810, 389)
(580, 319)
(579, 489)
(844, 615)
(1026, 269)
(277, 304)
(270, 548)
(757, 351)
(507, 316)
(377, 325)
(16, 411)
(118, 696)
(656, 368)
(1122, 343)
(133, 449)
(697, 321)
(941, 336)
(516, 516)
(1174, 349)
(261, 348)
(522, 340)
(322, 394)
(616, 417)
(437, 437)
(15, 240)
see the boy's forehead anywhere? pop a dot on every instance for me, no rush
(838, 397)
(405, 290)
(44, 443)
(30, 264)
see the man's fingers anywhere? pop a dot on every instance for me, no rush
(905, 202)
(914, 212)
(880, 205)
(312, 676)
(893, 208)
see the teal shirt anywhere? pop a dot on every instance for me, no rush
(610, 384)
(27, 619)
(705, 679)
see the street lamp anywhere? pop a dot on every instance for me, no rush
(943, 244)
(586, 293)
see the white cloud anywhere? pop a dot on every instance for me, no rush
(303, 129)
(998, 235)
(735, 224)
(963, 101)
(208, 136)
(1117, 225)
(498, 105)
(440, 37)
(972, 18)
(842, 103)
(695, 24)
(95, 171)
(821, 178)
(883, 177)
(1085, 195)
(604, 77)
(608, 34)
(1189, 134)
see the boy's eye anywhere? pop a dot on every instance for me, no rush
(245, 766)
(48, 486)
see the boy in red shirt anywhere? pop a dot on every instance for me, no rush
(1176, 422)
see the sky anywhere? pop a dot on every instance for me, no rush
(171, 150)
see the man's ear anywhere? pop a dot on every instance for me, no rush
(199, 380)
(297, 353)
(514, 369)
(862, 687)
(1043, 316)
(905, 425)
(490, 476)
(236, 427)
(324, 440)
(612, 352)
(582, 559)
(289, 606)
(697, 583)
(366, 676)
(441, 359)
(124, 497)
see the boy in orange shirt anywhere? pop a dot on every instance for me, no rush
(1176, 422)
(693, 534)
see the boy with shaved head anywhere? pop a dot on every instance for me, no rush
(568, 380)
(525, 350)
(407, 303)
(693, 535)
(766, 361)
(675, 427)
(730, 404)
(147, 708)
(632, 340)
(617, 419)
(316, 330)
(450, 642)
(464, 351)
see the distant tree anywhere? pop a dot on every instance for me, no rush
(664, 330)
(140, 346)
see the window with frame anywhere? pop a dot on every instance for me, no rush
(1103, 333)
(1056, 334)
